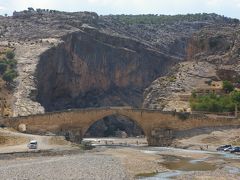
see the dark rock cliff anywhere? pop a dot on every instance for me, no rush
(92, 69)
(111, 60)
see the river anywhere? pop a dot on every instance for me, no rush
(176, 162)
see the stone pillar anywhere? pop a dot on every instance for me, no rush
(74, 135)
(160, 137)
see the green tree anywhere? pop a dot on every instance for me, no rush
(3, 67)
(236, 96)
(194, 94)
(9, 76)
(228, 86)
(10, 54)
(12, 63)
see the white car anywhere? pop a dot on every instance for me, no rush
(228, 148)
(32, 144)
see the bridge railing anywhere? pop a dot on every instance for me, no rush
(100, 108)
(194, 113)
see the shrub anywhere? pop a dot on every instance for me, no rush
(228, 86)
(87, 145)
(236, 97)
(194, 94)
(3, 67)
(12, 63)
(9, 76)
(10, 54)
(172, 79)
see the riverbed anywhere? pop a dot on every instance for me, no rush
(150, 163)
(114, 158)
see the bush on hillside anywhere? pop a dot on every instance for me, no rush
(12, 63)
(10, 54)
(9, 76)
(228, 86)
(213, 103)
(236, 97)
(3, 67)
(162, 19)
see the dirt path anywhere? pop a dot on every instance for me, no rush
(13, 141)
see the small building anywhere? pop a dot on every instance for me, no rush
(215, 88)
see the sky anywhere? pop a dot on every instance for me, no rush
(229, 8)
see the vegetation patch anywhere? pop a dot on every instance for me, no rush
(228, 86)
(212, 103)
(8, 65)
(172, 79)
(167, 19)
(215, 102)
(86, 145)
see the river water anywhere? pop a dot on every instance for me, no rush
(178, 165)
(173, 159)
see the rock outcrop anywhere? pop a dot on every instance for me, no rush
(92, 69)
(212, 56)
(79, 60)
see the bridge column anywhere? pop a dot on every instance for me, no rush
(160, 137)
(73, 135)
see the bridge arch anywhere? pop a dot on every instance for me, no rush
(117, 119)
(76, 123)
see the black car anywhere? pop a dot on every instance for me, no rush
(235, 149)
(221, 148)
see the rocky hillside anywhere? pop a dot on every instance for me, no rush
(79, 60)
(212, 55)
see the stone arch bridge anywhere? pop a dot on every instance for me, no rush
(159, 127)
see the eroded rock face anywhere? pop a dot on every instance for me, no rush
(211, 56)
(92, 69)
(78, 60)
(27, 56)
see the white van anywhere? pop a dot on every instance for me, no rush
(32, 144)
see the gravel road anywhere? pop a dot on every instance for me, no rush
(81, 166)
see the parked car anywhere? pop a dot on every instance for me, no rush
(235, 149)
(228, 148)
(32, 144)
(221, 148)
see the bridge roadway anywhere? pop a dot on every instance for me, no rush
(159, 127)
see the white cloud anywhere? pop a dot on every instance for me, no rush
(2, 8)
(214, 2)
(237, 3)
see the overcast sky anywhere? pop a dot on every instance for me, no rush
(229, 8)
